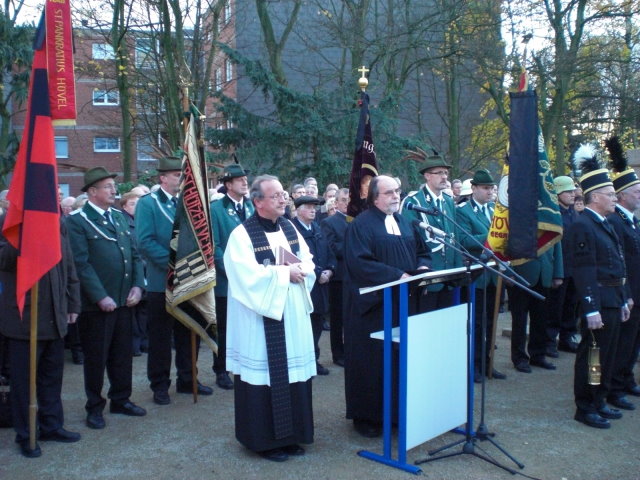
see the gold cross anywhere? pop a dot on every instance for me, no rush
(363, 70)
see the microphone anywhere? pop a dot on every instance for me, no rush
(433, 231)
(428, 211)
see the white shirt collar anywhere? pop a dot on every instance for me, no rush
(169, 196)
(598, 216)
(97, 208)
(433, 195)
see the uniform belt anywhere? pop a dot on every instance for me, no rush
(615, 282)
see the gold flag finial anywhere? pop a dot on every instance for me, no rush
(362, 81)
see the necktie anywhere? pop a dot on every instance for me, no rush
(240, 210)
(174, 200)
(439, 204)
(107, 216)
(485, 211)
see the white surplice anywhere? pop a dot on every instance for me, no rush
(257, 290)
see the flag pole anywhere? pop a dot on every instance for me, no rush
(194, 357)
(33, 346)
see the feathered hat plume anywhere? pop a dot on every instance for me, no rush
(622, 175)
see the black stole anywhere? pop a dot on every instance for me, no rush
(274, 330)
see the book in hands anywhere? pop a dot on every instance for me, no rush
(285, 257)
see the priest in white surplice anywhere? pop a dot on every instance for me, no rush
(269, 338)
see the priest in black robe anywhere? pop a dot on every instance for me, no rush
(380, 247)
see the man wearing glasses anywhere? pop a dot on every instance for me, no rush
(111, 280)
(270, 347)
(436, 172)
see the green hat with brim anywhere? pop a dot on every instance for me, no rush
(482, 177)
(432, 162)
(94, 175)
(169, 164)
(233, 170)
(563, 184)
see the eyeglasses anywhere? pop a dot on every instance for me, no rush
(608, 194)
(442, 173)
(108, 186)
(275, 196)
(397, 191)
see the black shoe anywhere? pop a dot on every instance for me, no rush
(275, 455)
(60, 435)
(367, 429)
(542, 363)
(223, 381)
(321, 369)
(477, 376)
(186, 388)
(552, 352)
(523, 367)
(621, 402)
(498, 375)
(161, 397)
(326, 327)
(28, 452)
(95, 421)
(569, 346)
(339, 361)
(592, 419)
(635, 391)
(127, 408)
(77, 357)
(295, 450)
(610, 413)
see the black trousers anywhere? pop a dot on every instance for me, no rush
(336, 313)
(490, 293)
(435, 300)
(317, 321)
(220, 360)
(522, 305)
(590, 397)
(561, 313)
(106, 343)
(161, 327)
(140, 339)
(626, 355)
(50, 362)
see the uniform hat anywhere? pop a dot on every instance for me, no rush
(623, 176)
(94, 175)
(563, 184)
(169, 164)
(308, 199)
(427, 160)
(482, 177)
(233, 170)
(466, 188)
(594, 175)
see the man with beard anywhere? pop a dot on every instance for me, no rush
(226, 214)
(380, 247)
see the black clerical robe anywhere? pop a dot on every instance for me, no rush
(372, 257)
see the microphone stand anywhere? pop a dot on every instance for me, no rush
(482, 433)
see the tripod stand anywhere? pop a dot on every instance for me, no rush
(482, 433)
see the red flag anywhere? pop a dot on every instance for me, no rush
(33, 218)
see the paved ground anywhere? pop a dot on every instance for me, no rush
(530, 414)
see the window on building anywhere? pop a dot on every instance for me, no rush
(106, 144)
(102, 51)
(145, 150)
(146, 52)
(218, 79)
(106, 97)
(226, 15)
(228, 66)
(62, 147)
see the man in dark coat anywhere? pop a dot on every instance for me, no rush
(380, 246)
(627, 227)
(226, 214)
(58, 304)
(599, 276)
(111, 279)
(325, 264)
(335, 229)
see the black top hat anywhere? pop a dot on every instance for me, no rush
(169, 164)
(308, 199)
(94, 175)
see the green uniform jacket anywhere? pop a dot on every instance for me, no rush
(107, 261)
(442, 258)
(154, 225)
(224, 219)
(544, 268)
(470, 218)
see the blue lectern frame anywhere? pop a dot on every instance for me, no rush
(402, 292)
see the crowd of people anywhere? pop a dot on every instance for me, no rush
(289, 262)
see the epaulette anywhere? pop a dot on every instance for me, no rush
(461, 204)
(75, 212)
(412, 193)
